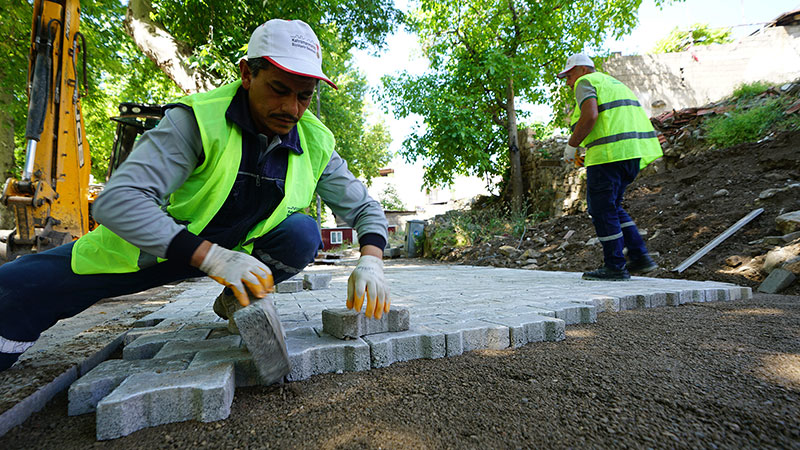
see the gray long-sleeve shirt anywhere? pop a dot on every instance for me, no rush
(133, 202)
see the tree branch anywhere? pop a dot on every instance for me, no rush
(163, 49)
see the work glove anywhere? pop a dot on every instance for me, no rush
(367, 280)
(569, 154)
(237, 270)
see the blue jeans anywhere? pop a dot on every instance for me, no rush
(38, 290)
(605, 187)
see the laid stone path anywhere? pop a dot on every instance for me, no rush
(180, 363)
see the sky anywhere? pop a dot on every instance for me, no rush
(743, 16)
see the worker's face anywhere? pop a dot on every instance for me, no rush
(277, 98)
(573, 75)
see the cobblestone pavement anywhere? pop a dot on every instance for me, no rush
(181, 363)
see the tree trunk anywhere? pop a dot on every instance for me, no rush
(513, 149)
(169, 55)
(6, 154)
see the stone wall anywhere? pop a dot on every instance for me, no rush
(706, 74)
(550, 186)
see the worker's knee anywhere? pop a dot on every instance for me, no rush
(290, 246)
(301, 234)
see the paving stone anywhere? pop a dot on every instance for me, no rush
(605, 303)
(417, 343)
(88, 390)
(145, 400)
(289, 286)
(313, 354)
(347, 323)
(316, 281)
(147, 346)
(524, 329)
(244, 368)
(263, 336)
(174, 349)
(776, 281)
(573, 313)
(456, 309)
(136, 333)
(392, 252)
(468, 336)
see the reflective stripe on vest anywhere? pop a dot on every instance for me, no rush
(622, 131)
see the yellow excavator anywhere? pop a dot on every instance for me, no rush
(51, 200)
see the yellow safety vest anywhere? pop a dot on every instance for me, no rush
(622, 131)
(204, 192)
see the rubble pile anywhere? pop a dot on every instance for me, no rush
(681, 132)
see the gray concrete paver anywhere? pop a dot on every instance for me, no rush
(452, 309)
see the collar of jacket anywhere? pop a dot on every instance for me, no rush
(239, 113)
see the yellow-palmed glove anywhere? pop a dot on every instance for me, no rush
(367, 281)
(237, 270)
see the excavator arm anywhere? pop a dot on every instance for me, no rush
(50, 201)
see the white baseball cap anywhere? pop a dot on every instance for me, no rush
(578, 59)
(291, 45)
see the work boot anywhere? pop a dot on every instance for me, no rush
(225, 305)
(643, 264)
(606, 273)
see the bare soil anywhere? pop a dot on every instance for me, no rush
(679, 211)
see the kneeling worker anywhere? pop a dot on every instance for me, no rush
(214, 189)
(619, 140)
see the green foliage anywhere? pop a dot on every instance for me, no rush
(698, 34)
(747, 91)
(463, 228)
(390, 199)
(479, 50)
(744, 125)
(217, 32)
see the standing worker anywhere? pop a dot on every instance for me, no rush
(619, 140)
(215, 190)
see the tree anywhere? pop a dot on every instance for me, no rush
(483, 55)
(390, 199)
(199, 41)
(698, 34)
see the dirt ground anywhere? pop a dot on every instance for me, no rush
(711, 375)
(679, 211)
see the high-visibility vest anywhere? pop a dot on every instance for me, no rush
(622, 131)
(199, 198)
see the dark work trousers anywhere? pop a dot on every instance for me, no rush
(38, 290)
(605, 186)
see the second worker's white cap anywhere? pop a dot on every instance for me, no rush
(290, 45)
(578, 59)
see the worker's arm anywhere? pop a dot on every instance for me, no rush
(350, 201)
(348, 198)
(132, 202)
(586, 96)
(585, 123)
(132, 206)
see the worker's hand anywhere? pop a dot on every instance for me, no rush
(367, 280)
(237, 270)
(569, 154)
(579, 160)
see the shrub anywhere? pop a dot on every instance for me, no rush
(749, 90)
(744, 125)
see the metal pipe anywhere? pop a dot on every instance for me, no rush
(30, 156)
